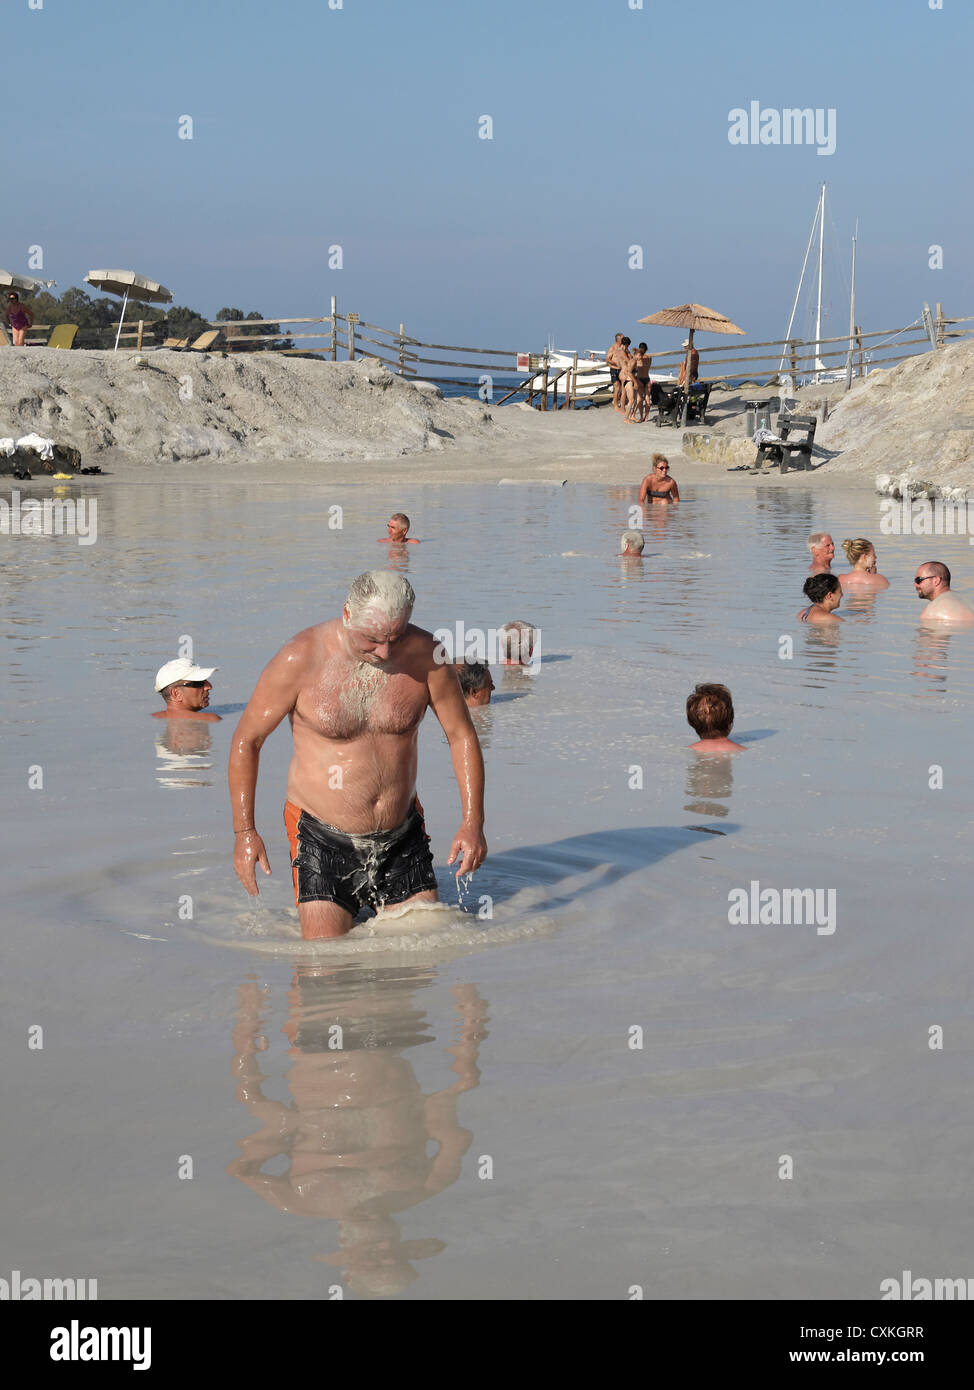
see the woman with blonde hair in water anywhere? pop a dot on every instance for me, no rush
(658, 486)
(864, 576)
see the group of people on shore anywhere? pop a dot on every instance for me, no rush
(633, 392)
(825, 590)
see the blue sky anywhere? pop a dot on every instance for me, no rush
(358, 127)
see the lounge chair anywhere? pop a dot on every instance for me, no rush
(4, 340)
(205, 341)
(63, 335)
(176, 344)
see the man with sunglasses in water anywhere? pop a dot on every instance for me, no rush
(185, 689)
(932, 584)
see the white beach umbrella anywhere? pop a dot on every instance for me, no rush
(25, 282)
(130, 286)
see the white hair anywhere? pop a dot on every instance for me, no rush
(517, 640)
(385, 590)
(631, 540)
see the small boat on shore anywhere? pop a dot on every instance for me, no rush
(592, 383)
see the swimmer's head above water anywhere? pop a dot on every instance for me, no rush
(632, 543)
(518, 641)
(476, 682)
(396, 528)
(710, 713)
(185, 689)
(822, 550)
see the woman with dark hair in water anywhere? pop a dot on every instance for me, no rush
(825, 593)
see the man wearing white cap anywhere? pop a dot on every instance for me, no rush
(185, 689)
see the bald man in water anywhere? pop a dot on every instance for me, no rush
(932, 584)
(355, 690)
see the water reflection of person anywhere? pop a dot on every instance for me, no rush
(710, 782)
(356, 1132)
(182, 747)
(930, 655)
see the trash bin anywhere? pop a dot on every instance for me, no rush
(751, 409)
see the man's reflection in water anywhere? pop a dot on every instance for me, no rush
(182, 747)
(710, 781)
(398, 557)
(930, 652)
(356, 1132)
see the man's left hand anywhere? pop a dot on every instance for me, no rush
(470, 843)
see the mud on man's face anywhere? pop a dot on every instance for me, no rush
(373, 636)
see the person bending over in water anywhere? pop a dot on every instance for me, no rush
(185, 689)
(822, 549)
(932, 583)
(397, 526)
(632, 544)
(825, 593)
(710, 712)
(355, 691)
(864, 576)
(476, 682)
(658, 486)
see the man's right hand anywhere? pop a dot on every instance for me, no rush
(248, 851)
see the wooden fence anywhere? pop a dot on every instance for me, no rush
(329, 335)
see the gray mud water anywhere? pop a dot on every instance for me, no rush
(455, 1105)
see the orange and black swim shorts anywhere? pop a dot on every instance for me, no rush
(355, 871)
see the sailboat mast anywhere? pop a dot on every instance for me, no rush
(819, 364)
(801, 281)
(852, 313)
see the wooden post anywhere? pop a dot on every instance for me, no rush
(544, 383)
(859, 341)
(351, 320)
(940, 325)
(334, 329)
(573, 380)
(138, 340)
(402, 348)
(793, 358)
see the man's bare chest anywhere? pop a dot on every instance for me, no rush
(345, 702)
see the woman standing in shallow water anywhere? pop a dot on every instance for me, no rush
(658, 486)
(864, 576)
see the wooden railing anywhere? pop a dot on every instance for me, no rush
(328, 335)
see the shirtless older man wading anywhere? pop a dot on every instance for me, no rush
(355, 690)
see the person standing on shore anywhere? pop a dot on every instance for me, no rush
(355, 691)
(932, 584)
(616, 358)
(641, 363)
(822, 549)
(19, 318)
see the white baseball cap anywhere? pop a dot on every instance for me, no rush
(182, 669)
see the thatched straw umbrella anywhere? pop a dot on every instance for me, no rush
(694, 317)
